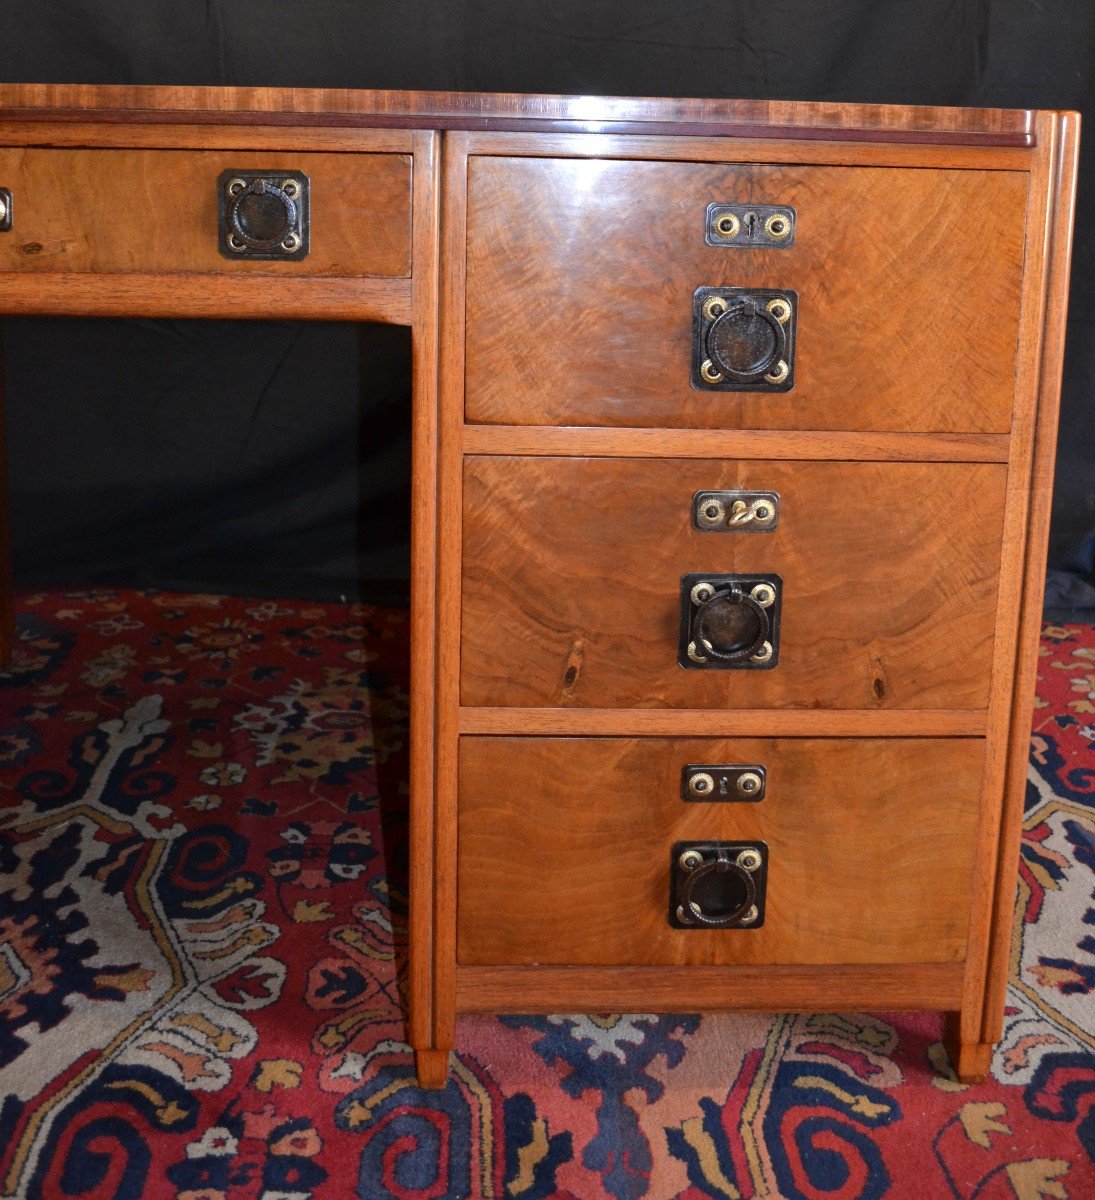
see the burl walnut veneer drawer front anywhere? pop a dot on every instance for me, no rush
(564, 850)
(572, 582)
(581, 276)
(157, 211)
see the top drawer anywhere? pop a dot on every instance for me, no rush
(157, 211)
(581, 276)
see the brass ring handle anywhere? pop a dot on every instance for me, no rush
(731, 626)
(262, 215)
(746, 342)
(718, 893)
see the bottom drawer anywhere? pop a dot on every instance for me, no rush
(565, 849)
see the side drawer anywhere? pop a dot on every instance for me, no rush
(157, 211)
(564, 850)
(572, 591)
(581, 275)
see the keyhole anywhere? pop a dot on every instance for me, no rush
(724, 785)
(750, 221)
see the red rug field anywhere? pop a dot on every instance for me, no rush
(202, 943)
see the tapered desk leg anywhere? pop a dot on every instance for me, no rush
(969, 1060)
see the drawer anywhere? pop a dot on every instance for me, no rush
(565, 846)
(157, 211)
(581, 273)
(572, 582)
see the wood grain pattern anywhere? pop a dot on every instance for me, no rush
(155, 211)
(581, 273)
(423, 639)
(107, 134)
(143, 294)
(786, 148)
(846, 988)
(706, 722)
(449, 524)
(472, 110)
(1062, 184)
(1037, 227)
(572, 568)
(564, 850)
(842, 446)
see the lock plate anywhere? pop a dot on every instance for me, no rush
(703, 897)
(751, 226)
(735, 512)
(723, 783)
(754, 633)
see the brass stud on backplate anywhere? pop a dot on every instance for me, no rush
(714, 306)
(748, 860)
(779, 309)
(710, 375)
(748, 783)
(701, 593)
(701, 784)
(764, 594)
(749, 916)
(727, 226)
(763, 654)
(712, 513)
(694, 653)
(779, 374)
(777, 226)
(690, 860)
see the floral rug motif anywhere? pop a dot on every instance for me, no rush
(203, 941)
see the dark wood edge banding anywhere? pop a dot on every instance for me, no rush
(511, 111)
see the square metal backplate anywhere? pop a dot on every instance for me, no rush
(301, 226)
(701, 324)
(709, 849)
(746, 583)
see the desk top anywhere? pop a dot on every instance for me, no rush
(512, 111)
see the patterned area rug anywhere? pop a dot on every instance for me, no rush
(202, 929)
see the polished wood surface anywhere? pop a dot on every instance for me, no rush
(745, 722)
(500, 110)
(1061, 172)
(572, 567)
(580, 279)
(155, 211)
(546, 440)
(696, 988)
(550, 304)
(432, 1066)
(564, 850)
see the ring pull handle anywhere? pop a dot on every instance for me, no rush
(717, 887)
(730, 625)
(264, 215)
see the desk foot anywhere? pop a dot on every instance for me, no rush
(433, 1068)
(970, 1061)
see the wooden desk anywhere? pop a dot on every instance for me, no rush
(733, 439)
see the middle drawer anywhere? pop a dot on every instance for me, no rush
(572, 575)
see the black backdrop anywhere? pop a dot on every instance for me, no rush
(274, 457)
